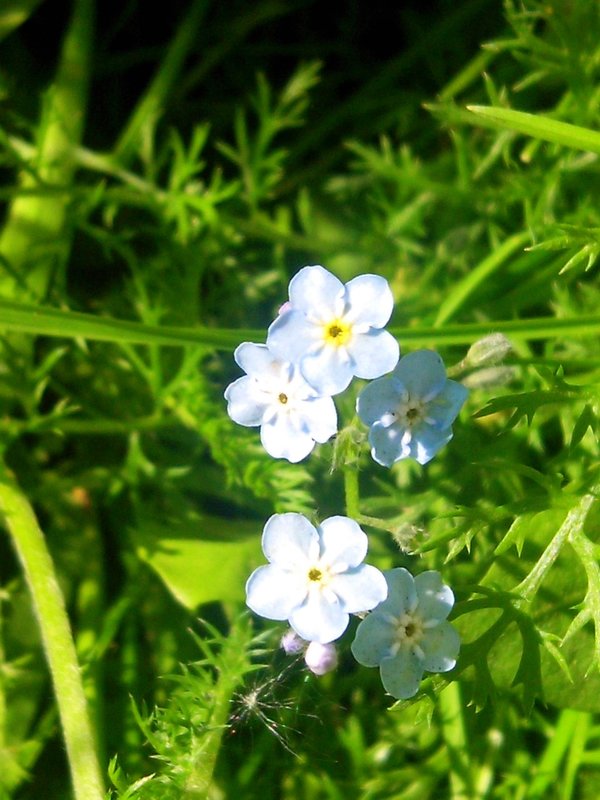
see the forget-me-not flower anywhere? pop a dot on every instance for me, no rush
(334, 331)
(410, 411)
(408, 634)
(315, 578)
(273, 394)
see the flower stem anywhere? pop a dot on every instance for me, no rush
(351, 490)
(55, 630)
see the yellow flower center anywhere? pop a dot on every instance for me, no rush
(314, 574)
(337, 332)
(283, 398)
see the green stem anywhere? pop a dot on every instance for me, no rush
(453, 731)
(351, 489)
(48, 603)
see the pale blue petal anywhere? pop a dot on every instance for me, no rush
(343, 542)
(281, 438)
(291, 335)
(369, 301)
(328, 370)
(373, 353)
(422, 373)
(388, 444)
(318, 619)
(320, 418)
(435, 598)
(445, 407)
(360, 589)
(274, 593)
(373, 640)
(290, 541)
(316, 292)
(242, 406)
(256, 360)
(402, 674)
(402, 594)
(440, 646)
(378, 398)
(426, 441)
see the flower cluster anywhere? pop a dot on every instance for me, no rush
(315, 579)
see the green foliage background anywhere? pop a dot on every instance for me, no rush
(165, 173)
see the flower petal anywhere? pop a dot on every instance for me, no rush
(320, 418)
(445, 407)
(281, 438)
(370, 301)
(440, 646)
(373, 640)
(343, 542)
(422, 373)
(388, 444)
(242, 405)
(315, 291)
(426, 441)
(401, 674)
(290, 541)
(328, 370)
(378, 398)
(402, 594)
(318, 619)
(435, 598)
(290, 335)
(360, 589)
(374, 353)
(257, 360)
(273, 593)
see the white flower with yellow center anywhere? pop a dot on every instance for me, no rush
(315, 577)
(334, 331)
(408, 634)
(274, 396)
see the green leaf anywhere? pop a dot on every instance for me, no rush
(200, 559)
(539, 127)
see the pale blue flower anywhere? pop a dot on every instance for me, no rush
(410, 411)
(291, 415)
(408, 634)
(315, 578)
(335, 331)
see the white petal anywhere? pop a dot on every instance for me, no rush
(378, 398)
(281, 438)
(291, 335)
(373, 640)
(370, 301)
(388, 444)
(374, 353)
(360, 589)
(343, 542)
(401, 675)
(422, 373)
(329, 370)
(320, 418)
(257, 360)
(435, 598)
(274, 593)
(445, 407)
(426, 441)
(440, 646)
(315, 291)
(291, 542)
(402, 594)
(318, 619)
(242, 406)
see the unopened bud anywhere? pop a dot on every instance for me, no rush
(321, 658)
(292, 643)
(487, 351)
(490, 378)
